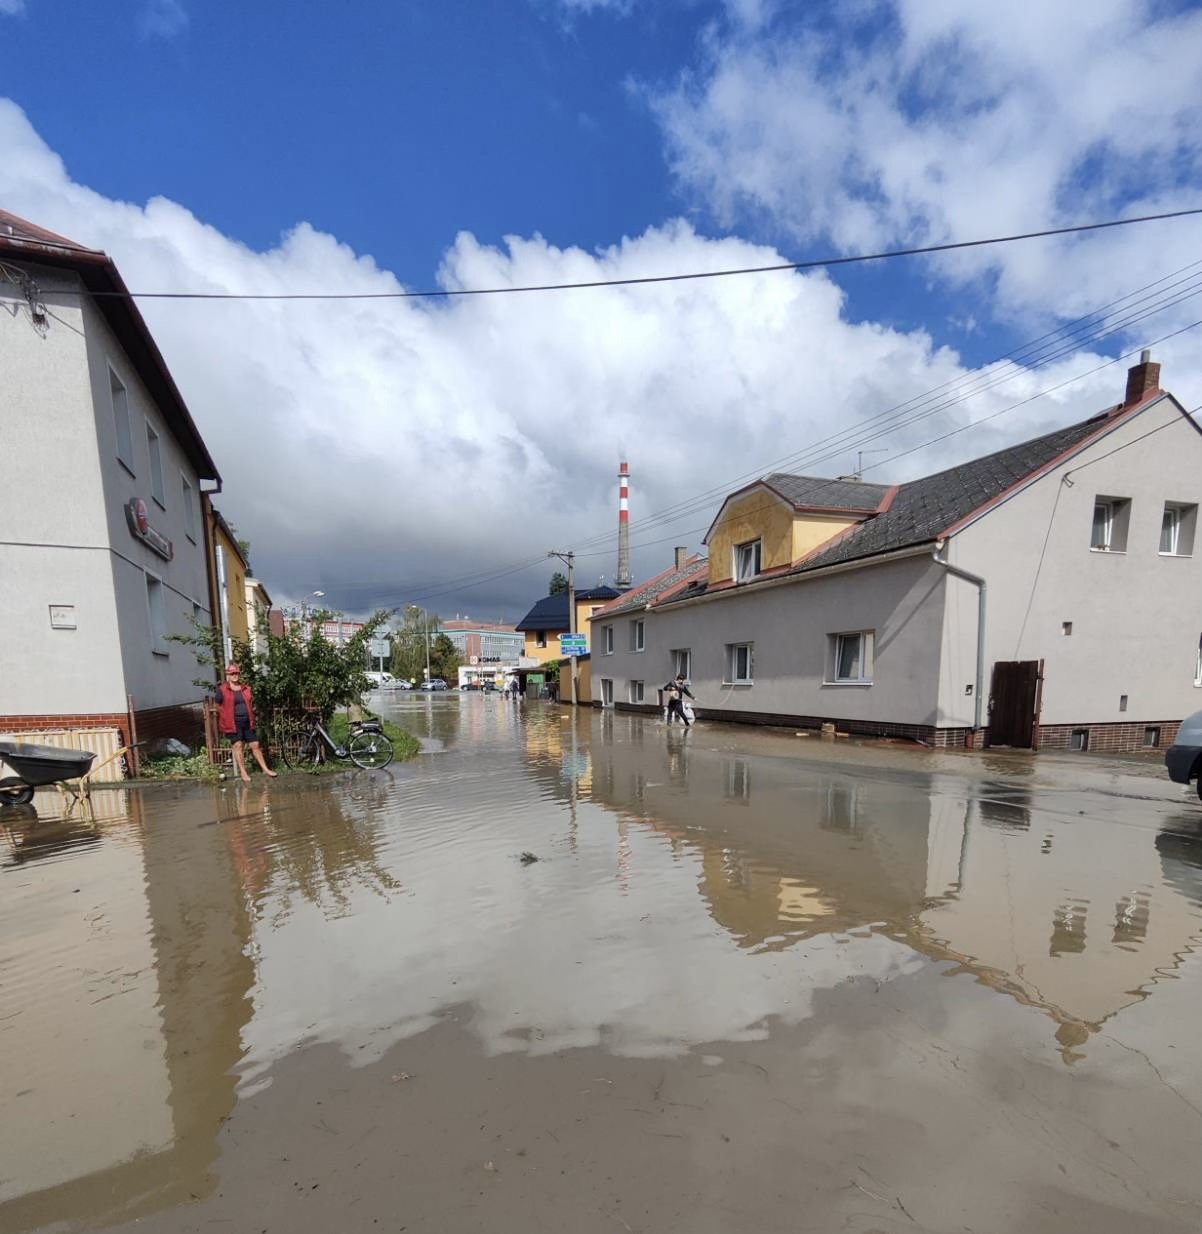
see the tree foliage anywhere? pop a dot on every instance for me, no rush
(409, 648)
(298, 670)
(559, 583)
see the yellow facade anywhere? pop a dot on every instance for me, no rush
(584, 609)
(785, 536)
(221, 537)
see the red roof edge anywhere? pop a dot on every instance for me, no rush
(887, 500)
(633, 593)
(701, 575)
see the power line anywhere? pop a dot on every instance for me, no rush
(813, 264)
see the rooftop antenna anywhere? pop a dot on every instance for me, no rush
(860, 460)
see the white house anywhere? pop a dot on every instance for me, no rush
(102, 544)
(1046, 595)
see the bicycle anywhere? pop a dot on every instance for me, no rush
(304, 748)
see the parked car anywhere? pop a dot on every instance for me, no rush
(1184, 757)
(381, 681)
(435, 683)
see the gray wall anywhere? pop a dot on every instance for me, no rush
(902, 601)
(1136, 616)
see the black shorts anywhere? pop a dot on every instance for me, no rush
(243, 732)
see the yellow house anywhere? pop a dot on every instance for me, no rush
(548, 619)
(258, 606)
(228, 571)
(771, 525)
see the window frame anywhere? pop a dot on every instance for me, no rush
(638, 635)
(1117, 522)
(637, 691)
(1185, 519)
(732, 664)
(119, 401)
(540, 638)
(865, 655)
(156, 594)
(756, 548)
(154, 455)
(609, 640)
(188, 496)
(685, 666)
(607, 691)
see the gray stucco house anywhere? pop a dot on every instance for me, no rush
(1047, 595)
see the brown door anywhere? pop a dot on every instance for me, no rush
(1012, 699)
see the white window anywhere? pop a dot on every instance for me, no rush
(125, 445)
(747, 560)
(540, 639)
(851, 658)
(607, 692)
(636, 635)
(189, 509)
(1111, 516)
(609, 640)
(1198, 665)
(636, 691)
(682, 663)
(1177, 529)
(156, 604)
(154, 449)
(740, 663)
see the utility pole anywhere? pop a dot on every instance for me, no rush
(426, 631)
(570, 559)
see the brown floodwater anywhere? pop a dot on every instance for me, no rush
(752, 982)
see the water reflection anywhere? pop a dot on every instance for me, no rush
(161, 959)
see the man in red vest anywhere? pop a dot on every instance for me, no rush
(236, 720)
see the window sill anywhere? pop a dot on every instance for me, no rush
(744, 684)
(842, 684)
(126, 467)
(165, 655)
(190, 536)
(1108, 552)
(1183, 556)
(637, 651)
(158, 501)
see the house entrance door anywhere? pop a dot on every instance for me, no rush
(1012, 700)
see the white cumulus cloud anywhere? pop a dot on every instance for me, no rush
(369, 446)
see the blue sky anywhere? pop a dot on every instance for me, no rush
(365, 145)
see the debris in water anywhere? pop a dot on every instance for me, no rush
(492, 1169)
(401, 1075)
(527, 859)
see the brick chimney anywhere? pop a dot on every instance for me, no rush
(1142, 379)
(681, 556)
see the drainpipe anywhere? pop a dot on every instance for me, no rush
(226, 641)
(979, 583)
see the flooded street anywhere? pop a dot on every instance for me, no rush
(751, 983)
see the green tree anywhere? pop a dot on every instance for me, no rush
(444, 660)
(559, 583)
(297, 670)
(409, 643)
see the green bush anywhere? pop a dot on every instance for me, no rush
(179, 767)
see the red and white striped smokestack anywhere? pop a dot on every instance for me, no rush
(623, 579)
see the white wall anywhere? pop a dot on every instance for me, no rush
(901, 601)
(1136, 616)
(64, 539)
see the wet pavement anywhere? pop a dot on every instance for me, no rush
(753, 982)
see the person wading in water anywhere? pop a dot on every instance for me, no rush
(236, 720)
(676, 691)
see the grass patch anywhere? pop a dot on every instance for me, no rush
(405, 745)
(178, 767)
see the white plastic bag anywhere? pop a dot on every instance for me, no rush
(688, 709)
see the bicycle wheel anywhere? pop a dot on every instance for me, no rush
(371, 751)
(300, 748)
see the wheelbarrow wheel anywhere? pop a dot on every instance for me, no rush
(16, 796)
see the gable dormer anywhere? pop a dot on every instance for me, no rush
(777, 521)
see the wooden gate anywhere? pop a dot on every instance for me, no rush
(1012, 703)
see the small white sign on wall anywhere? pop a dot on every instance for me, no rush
(62, 616)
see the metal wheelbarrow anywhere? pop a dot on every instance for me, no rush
(24, 767)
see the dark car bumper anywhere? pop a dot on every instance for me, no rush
(1180, 762)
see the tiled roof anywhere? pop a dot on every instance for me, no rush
(648, 592)
(816, 493)
(923, 510)
(13, 227)
(551, 612)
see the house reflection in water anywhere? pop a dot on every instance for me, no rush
(133, 978)
(1080, 919)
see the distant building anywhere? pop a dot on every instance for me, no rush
(483, 642)
(258, 610)
(548, 619)
(340, 632)
(228, 571)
